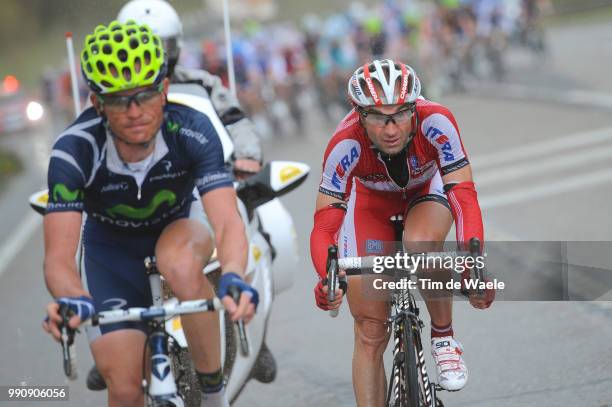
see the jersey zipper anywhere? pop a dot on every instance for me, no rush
(389, 175)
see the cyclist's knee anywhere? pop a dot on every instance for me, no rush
(185, 278)
(182, 270)
(124, 387)
(371, 334)
(423, 241)
(125, 394)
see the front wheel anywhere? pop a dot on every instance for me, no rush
(187, 379)
(411, 378)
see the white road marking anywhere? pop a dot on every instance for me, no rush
(536, 167)
(18, 238)
(564, 185)
(548, 146)
(586, 98)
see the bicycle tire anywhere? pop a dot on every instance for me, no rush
(411, 378)
(188, 383)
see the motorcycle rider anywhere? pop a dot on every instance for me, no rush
(165, 22)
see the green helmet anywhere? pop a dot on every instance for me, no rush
(122, 57)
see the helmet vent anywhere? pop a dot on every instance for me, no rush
(118, 37)
(107, 49)
(127, 74)
(113, 70)
(147, 57)
(122, 55)
(133, 43)
(137, 65)
(100, 67)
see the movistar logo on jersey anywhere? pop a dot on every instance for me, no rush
(66, 195)
(439, 137)
(172, 127)
(163, 196)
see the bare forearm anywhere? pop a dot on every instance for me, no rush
(232, 246)
(62, 278)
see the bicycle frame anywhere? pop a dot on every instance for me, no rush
(162, 390)
(406, 316)
(162, 386)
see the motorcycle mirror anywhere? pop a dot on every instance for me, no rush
(38, 201)
(275, 179)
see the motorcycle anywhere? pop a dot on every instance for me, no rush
(272, 259)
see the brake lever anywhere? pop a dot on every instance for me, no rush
(67, 342)
(475, 251)
(332, 277)
(244, 342)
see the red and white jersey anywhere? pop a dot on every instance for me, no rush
(351, 155)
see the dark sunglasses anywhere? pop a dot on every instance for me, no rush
(145, 97)
(378, 119)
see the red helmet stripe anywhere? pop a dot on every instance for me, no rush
(368, 78)
(404, 87)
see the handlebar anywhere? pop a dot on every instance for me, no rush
(332, 277)
(147, 314)
(244, 344)
(356, 265)
(476, 250)
(137, 314)
(67, 342)
(334, 280)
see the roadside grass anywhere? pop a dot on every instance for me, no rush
(10, 165)
(594, 15)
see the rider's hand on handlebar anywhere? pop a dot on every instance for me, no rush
(482, 301)
(82, 308)
(247, 303)
(320, 292)
(244, 166)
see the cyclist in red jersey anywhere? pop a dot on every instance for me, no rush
(395, 152)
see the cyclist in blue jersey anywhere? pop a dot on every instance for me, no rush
(130, 164)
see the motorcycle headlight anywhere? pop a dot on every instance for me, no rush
(34, 111)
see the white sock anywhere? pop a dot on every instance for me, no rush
(216, 399)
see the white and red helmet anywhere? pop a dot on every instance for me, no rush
(398, 82)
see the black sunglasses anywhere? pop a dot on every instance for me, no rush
(118, 103)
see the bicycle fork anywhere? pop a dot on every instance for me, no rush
(162, 388)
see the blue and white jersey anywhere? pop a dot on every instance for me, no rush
(87, 174)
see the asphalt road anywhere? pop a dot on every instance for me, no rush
(542, 166)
